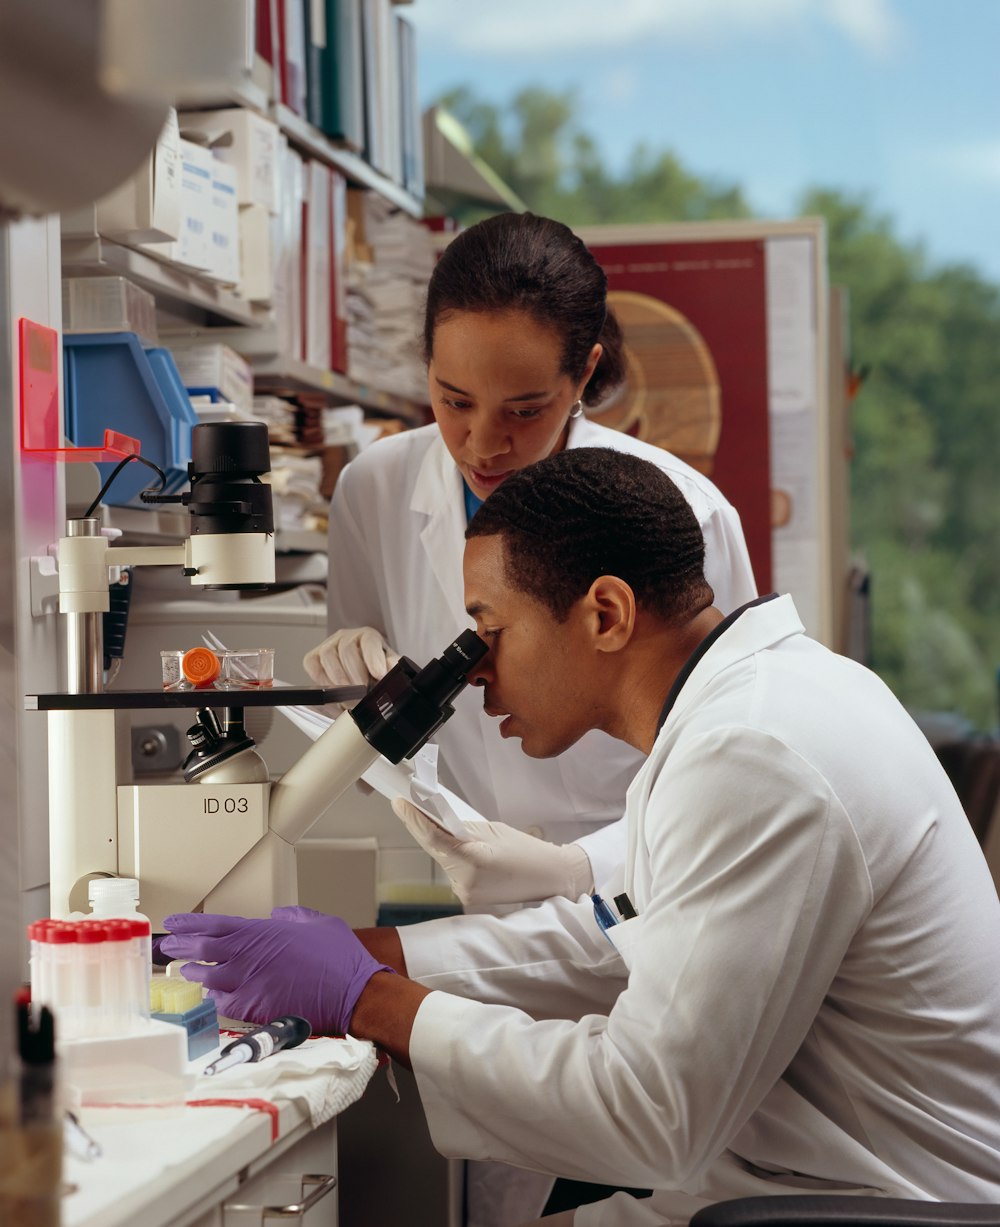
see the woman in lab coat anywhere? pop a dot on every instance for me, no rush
(518, 338)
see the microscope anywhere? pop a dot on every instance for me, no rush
(224, 839)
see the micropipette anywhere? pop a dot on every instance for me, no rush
(285, 1032)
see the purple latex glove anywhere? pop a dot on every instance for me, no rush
(310, 965)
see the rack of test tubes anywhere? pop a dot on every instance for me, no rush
(93, 974)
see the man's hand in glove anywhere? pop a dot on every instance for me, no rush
(260, 969)
(497, 863)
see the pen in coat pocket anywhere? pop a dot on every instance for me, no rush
(603, 915)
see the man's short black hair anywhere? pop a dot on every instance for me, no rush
(591, 511)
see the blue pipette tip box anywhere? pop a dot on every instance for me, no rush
(201, 1023)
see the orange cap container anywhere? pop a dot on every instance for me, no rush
(200, 666)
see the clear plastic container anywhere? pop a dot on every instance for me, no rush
(247, 670)
(108, 304)
(118, 898)
(170, 665)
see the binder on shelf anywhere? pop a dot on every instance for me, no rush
(343, 117)
(411, 123)
(293, 59)
(315, 38)
(287, 297)
(316, 233)
(287, 253)
(268, 40)
(338, 272)
(390, 100)
(374, 151)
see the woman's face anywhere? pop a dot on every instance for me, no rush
(498, 394)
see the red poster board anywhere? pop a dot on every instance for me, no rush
(713, 324)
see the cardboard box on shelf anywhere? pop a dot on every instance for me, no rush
(147, 207)
(210, 364)
(225, 225)
(194, 247)
(256, 282)
(247, 141)
(358, 248)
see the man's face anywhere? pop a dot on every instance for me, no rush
(536, 675)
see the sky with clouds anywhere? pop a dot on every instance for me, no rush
(896, 100)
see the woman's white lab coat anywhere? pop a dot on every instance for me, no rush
(809, 997)
(396, 540)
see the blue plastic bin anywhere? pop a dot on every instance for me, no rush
(113, 381)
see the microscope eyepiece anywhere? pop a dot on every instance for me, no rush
(405, 707)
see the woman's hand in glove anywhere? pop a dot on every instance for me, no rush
(352, 657)
(258, 970)
(497, 863)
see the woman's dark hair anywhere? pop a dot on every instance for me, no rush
(591, 511)
(521, 262)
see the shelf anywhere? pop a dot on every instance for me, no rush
(281, 375)
(288, 376)
(309, 140)
(247, 93)
(170, 283)
(131, 700)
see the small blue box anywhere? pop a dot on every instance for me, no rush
(201, 1023)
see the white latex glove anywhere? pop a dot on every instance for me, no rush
(356, 656)
(352, 657)
(499, 863)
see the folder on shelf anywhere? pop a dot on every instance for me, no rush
(293, 59)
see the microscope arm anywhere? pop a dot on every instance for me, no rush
(394, 719)
(338, 757)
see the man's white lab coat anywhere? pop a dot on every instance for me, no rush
(809, 997)
(396, 541)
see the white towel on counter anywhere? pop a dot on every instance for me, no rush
(325, 1074)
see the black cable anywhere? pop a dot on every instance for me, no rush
(114, 473)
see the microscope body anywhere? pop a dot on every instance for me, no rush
(224, 840)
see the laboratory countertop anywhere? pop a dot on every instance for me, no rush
(154, 1170)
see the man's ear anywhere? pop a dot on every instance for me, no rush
(611, 605)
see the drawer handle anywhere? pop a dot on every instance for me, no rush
(324, 1185)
